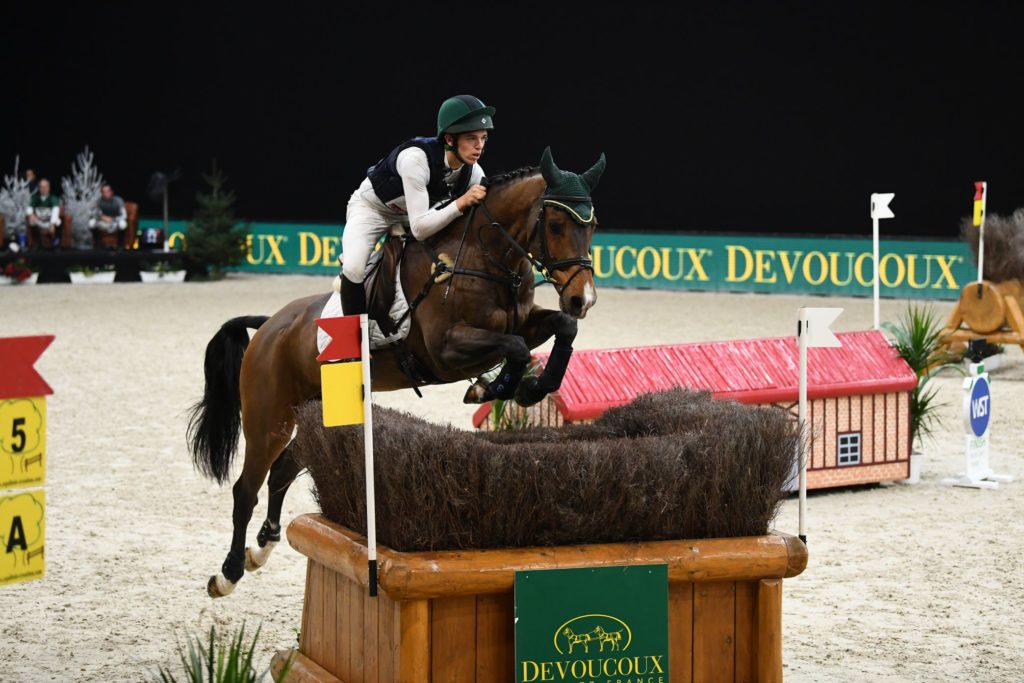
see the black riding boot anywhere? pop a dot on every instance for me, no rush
(353, 297)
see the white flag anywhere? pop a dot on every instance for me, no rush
(815, 323)
(880, 205)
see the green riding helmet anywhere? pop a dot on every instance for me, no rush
(464, 113)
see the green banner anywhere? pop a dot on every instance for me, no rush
(732, 263)
(592, 624)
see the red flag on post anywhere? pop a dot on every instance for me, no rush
(18, 379)
(346, 339)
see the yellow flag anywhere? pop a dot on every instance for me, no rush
(342, 390)
(22, 442)
(22, 528)
(979, 203)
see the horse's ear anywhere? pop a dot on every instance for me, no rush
(552, 176)
(593, 176)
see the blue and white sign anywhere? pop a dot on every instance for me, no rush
(979, 406)
(977, 420)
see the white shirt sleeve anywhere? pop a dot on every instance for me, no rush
(414, 170)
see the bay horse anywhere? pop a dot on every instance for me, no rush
(477, 312)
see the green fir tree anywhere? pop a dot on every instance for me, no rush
(216, 239)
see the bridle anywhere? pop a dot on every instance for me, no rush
(543, 264)
(511, 278)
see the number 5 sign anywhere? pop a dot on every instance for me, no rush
(22, 458)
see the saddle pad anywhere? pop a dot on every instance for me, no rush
(332, 309)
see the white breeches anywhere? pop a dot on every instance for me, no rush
(365, 224)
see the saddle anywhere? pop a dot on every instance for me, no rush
(381, 284)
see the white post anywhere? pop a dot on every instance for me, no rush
(801, 334)
(874, 222)
(371, 506)
(807, 336)
(879, 209)
(981, 233)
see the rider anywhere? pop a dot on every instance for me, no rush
(425, 183)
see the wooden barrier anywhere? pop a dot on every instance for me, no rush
(448, 616)
(989, 311)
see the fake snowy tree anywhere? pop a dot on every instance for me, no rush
(216, 239)
(81, 193)
(15, 197)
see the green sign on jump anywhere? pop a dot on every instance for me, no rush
(592, 624)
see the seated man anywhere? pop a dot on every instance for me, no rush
(44, 216)
(109, 218)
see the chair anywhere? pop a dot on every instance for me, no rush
(108, 240)
(65, 231)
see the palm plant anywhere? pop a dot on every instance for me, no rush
(917, 337)
(219, 660)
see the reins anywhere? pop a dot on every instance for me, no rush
(511, 278)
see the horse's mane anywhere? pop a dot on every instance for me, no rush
(511, 176)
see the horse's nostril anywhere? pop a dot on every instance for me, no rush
(577, 302)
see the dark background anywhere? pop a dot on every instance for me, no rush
(770, 118)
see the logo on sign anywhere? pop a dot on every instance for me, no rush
(980, 407)
(588, 630)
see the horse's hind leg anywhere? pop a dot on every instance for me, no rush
(282, 474)
(259, 454)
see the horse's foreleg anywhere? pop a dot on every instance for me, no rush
(465, 345)
(540, 326)
(282, 474)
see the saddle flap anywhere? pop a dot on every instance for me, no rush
(380, 285)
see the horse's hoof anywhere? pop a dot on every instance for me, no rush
(527, 394)
(218, 586)
(257, 557)
(477, 393)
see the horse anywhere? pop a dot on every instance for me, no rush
(469, 314)
(577, 639)
(608, 637)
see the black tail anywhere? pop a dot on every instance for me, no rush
(215, 421)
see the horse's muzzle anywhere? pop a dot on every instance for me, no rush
(577, 305)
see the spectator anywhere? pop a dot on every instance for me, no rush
(30, 178)
(44, 216)
(109, 216)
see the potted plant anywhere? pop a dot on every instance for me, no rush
(18, 273)
(162, 271)
(917, 337)
(85, 275)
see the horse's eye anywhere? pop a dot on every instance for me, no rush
(556, 228)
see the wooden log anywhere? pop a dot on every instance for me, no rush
(453, 639)
(495, 637)
(982, 307)
(1013, 289)
(746, 632)
(769, 631)
(680, 632)
(412, 629)
(415, 576)
(991, 337)
(302, 670)
(714, 631)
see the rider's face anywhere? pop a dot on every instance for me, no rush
(471, 145)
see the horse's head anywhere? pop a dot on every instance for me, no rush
(565, 226)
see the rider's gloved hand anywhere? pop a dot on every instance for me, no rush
(473, 196)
